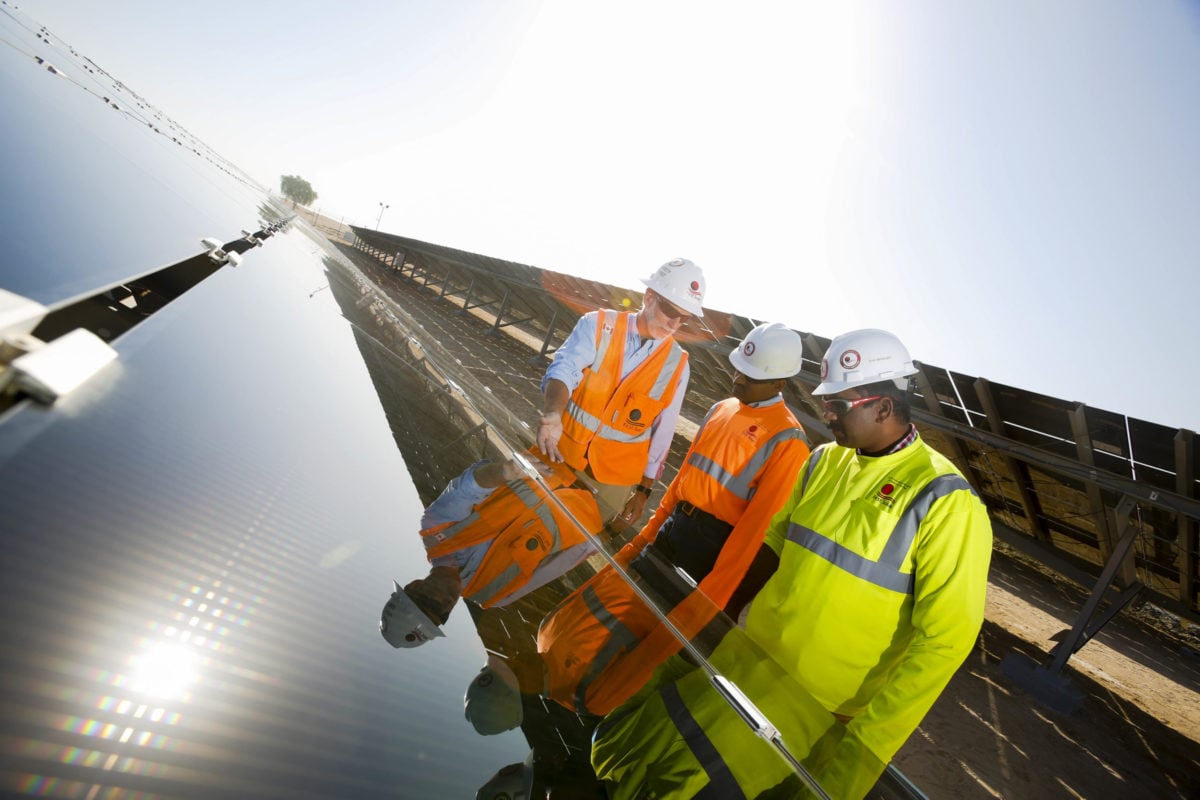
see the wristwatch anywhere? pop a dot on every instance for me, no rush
(643, 489)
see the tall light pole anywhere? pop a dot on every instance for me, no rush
(382, 208)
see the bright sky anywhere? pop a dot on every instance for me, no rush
(1011, 187)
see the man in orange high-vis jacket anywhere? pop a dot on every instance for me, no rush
(612, 394)
(602, 643)
(492, 537)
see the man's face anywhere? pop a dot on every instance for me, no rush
(749, 390)
(856, 426)
(662, 318)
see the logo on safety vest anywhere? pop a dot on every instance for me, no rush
(751, 433)
(886, 494)
(632, 419)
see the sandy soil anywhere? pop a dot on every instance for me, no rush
(1136, 733)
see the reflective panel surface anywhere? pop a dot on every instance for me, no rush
(99, 184)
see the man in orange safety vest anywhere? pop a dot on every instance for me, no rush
(602, 643)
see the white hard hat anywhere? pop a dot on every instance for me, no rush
(403, 624)
(861, 357)
(769, 351)
(514, 782)
(492, 703)
(681, 282)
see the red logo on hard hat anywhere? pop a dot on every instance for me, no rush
(748, 348)
(850, 359)
(824, 368)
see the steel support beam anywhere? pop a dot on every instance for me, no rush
(1075, 639)
(495, 329)
(1185, 484)
(934, 405)
(1046, 681)
(1029, 501)
(1106, 528)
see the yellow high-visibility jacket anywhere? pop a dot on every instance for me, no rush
(878, 598)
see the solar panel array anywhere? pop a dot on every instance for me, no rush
(1052, 472)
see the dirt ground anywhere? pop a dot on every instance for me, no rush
(1136, 733)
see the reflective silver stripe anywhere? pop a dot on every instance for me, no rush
(905, 533)
(450, 531)
(533, 501)
(886, 571)
(721, 783)
(487, 593)
(813, 458)
(663, 381)
(848, 560)
(603, 340)
(528, 496)
(576, 412)
(606, 432)
(593, 424)
(620, 639)
(739, 483)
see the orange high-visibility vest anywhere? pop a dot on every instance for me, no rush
(524, 527)
(607, 422)
(602, 643)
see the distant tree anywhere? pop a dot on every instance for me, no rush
(297, 190)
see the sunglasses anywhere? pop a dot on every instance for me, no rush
(841, 407)
(668, 310)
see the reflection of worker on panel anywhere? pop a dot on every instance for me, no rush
(491, 537)
(883, 551)
(602, 643)
(611, 396)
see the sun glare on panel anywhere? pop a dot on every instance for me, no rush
(165, 671)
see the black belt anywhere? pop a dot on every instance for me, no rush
(691, 539)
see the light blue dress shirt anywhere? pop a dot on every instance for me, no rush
(579, 351)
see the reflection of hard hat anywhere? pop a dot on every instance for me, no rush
(493, 702)
(769, 351)
(861, 357)
(403, 624)
(681, 282)
(514, 782)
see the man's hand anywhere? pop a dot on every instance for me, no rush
(634, 506)
(549, 432)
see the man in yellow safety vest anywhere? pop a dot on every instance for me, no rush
(878, 597)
